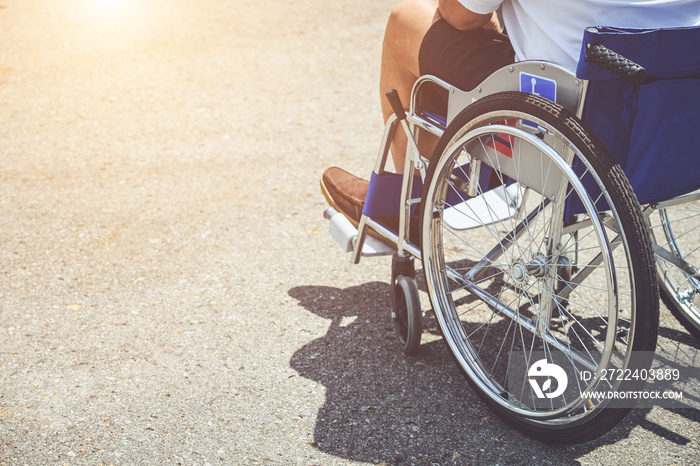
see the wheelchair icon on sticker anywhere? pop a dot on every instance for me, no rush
(537, 85)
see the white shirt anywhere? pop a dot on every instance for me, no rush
(553, 30)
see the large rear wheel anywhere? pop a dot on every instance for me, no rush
(538, 265)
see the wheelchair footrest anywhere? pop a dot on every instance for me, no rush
(490, 207)
(344, 233)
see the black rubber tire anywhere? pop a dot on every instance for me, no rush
(407, 315)
(642, 262)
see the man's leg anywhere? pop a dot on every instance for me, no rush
(462, 57)
(408, 24)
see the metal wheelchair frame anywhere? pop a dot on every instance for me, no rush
(571, 93)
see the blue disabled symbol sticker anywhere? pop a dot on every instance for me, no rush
(533, 84)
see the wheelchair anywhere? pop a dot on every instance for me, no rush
(540, 262)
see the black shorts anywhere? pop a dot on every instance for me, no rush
(462, 58)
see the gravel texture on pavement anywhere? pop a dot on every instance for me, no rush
(168, 290)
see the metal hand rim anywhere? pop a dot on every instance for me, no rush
(601, 236)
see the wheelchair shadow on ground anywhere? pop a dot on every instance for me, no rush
(383, 406)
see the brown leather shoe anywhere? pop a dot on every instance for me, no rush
(344, 192)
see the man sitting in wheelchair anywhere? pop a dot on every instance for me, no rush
(463, 42)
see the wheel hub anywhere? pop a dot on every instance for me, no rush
(538, 266)
(518, 272)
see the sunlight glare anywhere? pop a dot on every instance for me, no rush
(112, 7)
(116, 24)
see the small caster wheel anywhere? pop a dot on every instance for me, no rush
(407, 314)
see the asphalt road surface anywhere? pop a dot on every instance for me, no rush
(168, 291)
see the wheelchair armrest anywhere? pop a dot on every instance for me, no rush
(565, 89)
